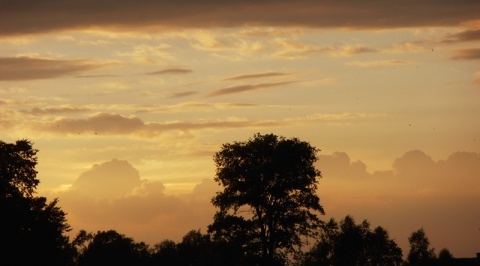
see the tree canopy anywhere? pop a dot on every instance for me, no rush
(353, 244)
(32, 231)
(269, 201)
(420, 252)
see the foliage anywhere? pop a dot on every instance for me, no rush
(268, 203)
(444, 255)
(353, 244)
(32, 229)
(420, 252)
(112, 248)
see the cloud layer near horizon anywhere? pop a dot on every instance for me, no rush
(112, 195)
(27, 17)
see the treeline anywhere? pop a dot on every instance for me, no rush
(259, 175)
(343, 244)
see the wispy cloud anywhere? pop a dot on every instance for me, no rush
(171, 71)
(467, 54)
(350, 50)
(27, 68)
(115, 124)
(245, 88)
(258, 75)
(463, 36)
(182, 94)
(54, 110)
(379, 63)
(106, 124)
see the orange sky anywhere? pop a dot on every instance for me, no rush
(149, 90)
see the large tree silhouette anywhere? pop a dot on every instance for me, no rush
(268, 203)
(32, 230)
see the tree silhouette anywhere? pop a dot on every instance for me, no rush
(32, 229)
(445, 257)
(165, 253)
(350, 244)
(112, 248)
(420, 252)
(195, 249)
(269, 201)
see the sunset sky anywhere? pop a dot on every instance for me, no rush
(127, 102)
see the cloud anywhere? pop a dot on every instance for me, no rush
(114, 124)
(467, 54)
(290, 49)
(351, 50)
(148, 54)
(109, 179)
(27, 68)
(54, 110)
(439, 195)
(380, 63)
(112, 195)
(182, 94)
(25, 17)
(463, 36)
(171, 71)
(258, 75)
(338, 165)
(102, 123)
(476, 77)
(244, 88)
(416, 192)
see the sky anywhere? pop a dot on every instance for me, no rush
(127, 102)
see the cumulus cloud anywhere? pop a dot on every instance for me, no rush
(415, 172)
(110, 179)
(111, 195)
(245, 88)
(26, 17)
(27, 68)
(338, 165)
(467, 54)
(416, 192)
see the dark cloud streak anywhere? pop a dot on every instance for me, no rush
(171, 71)
(26, 68)
(54, 110)
(30, 17)
(258, 75)
(115, 124)
(182, 94)
(464, 36)
(244, 88)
